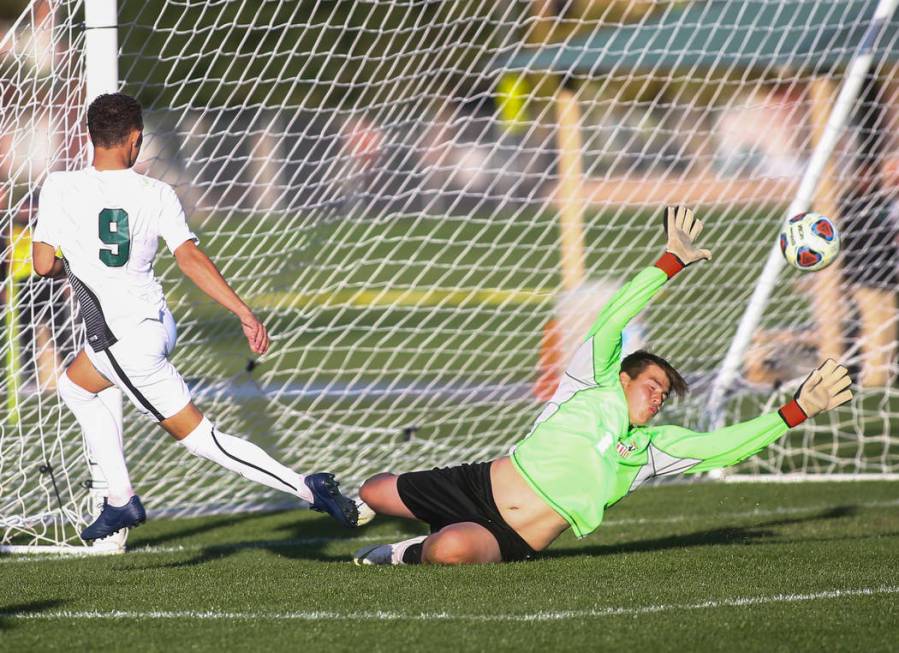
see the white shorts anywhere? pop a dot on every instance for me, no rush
(138, 364)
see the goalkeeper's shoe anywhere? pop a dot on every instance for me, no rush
(385, 554)
(112, 519)
(327, 498)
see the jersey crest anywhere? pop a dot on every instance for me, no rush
(625, 449)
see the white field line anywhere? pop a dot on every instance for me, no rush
(182, 548)
(389, 537)
(206, 615)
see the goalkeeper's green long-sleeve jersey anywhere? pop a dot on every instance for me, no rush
(582, 454)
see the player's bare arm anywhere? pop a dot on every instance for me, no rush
(200, 269)
(45, 262)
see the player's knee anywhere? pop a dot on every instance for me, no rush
(449, 548)
(372, 490)
(200, 442)
(368, 492)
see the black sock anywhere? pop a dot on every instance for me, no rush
(412, 555)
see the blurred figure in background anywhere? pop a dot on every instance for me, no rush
(37, 320)
(870, 253)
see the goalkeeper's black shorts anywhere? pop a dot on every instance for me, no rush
(451, 495)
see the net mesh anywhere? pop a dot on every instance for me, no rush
(384, 183)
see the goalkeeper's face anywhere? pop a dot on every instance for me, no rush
(645, 393)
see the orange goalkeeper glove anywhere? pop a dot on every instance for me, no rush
(825, 388)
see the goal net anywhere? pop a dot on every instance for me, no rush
(427, 202)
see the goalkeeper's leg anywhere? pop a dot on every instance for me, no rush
(457, 503)
(463, 543)
(381, 495)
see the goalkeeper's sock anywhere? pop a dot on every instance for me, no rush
(412, 555)
(245, 458)
(103, 434)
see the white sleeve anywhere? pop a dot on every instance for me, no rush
(49, 214)
(172, 222)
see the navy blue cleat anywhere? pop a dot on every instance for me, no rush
(327, 498)
(112, 519)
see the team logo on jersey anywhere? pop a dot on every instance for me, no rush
(625, 449)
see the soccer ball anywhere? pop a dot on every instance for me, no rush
(810, 241)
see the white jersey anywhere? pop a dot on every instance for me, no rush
(108, 224)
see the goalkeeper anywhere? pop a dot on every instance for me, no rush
(591, 445)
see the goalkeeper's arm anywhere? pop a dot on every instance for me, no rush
(682, 230)
(825, 388)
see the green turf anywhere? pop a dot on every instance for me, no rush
(805, 567)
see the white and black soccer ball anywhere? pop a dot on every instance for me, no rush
(810, 241)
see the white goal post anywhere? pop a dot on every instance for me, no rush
(426, 200)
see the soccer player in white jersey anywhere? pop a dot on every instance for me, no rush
(590, 446)
(107, 220)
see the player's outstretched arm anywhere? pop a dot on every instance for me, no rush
(682, 230)
(825, 388)
(200, 269)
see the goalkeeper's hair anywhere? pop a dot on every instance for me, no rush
(112, 117)
(634, 364)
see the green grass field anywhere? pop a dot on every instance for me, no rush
(806, 567)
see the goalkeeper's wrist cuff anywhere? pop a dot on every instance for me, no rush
(792, 414)
(669, 264)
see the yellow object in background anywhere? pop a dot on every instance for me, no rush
(511, 100)
(20, 266)
(12, 354)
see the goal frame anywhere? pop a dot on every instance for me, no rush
(101, 47)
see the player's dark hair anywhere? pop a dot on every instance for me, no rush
(634, 364)
(112, 117)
